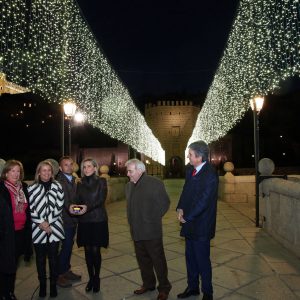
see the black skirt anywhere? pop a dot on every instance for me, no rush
(93, 234)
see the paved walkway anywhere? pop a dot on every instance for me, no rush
(247, 263)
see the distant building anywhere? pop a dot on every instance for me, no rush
(172, 122)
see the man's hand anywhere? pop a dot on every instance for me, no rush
(180, 216)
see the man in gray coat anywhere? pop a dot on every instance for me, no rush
(147, 202)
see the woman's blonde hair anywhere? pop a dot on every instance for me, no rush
(38, 169)
(11, 164)
(94, 163)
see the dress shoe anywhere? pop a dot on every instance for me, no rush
(72, 276)
(207, 297)
(63, 282)
(143, 290)
(162, 296)
(188, 292)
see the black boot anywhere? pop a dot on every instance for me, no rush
(12, 296)
(89, 285)
(96, 284)
(43, 289)
(90, 267)
(53, 289)
(40, 256)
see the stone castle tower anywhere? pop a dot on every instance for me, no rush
(172, 122)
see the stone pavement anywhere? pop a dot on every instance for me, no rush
(247, 262)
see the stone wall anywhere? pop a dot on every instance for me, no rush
(116, 189)
(237, 188)
(281, 199)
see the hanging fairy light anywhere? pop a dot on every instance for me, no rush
(48, 47)
(263, 49)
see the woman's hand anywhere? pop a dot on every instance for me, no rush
(71, 208)
(46, 227)
(83, 209)
(48, 230)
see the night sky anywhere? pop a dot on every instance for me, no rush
(162, 47)
(159, 49)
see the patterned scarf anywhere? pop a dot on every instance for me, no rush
(18, 194)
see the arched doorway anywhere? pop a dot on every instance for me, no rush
(175, 167)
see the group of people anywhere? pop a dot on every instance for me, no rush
(50, 211)
(46, 214)
(148, 201)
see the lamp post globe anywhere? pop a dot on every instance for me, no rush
(70, 110)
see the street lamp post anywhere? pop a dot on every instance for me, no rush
(256, 106)
(62, 134)
(69, 109)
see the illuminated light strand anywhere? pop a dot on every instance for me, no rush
(262, 50)
(49, 48)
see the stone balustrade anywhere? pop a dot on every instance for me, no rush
(281, 202)
(236, 188)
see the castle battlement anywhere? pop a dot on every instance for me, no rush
(172, 122)
(170, 103)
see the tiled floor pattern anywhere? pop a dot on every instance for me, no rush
(247, 262)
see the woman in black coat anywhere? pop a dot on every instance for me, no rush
(93, 225)
(15, 226)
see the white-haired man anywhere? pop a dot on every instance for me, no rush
(147, 202)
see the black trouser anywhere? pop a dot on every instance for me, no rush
(7, 281)
(93, 261)
(41, 252)
(151, 257)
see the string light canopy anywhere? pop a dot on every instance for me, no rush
(262, 50)
(48, 47)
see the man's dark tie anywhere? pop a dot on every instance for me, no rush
(194, 172)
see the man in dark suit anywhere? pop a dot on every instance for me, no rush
(66, 276)
(197, 209)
